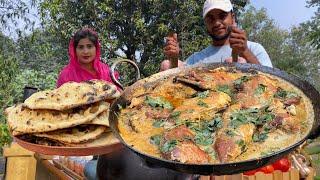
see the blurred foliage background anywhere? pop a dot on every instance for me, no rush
(133, 30)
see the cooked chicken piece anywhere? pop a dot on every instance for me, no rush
(209, 79)
(224, 78)
(157, 113)
(277, 121)
(203, 108)
(185, 150)
(291, 124)
(260, 86)
(226, 148)
(175, 93)
(179, 133)
(188, 152)
(277, 107)
(229, 146)
(292, 101)
(136, 101)
(244, 132)
(254, 82)
(135, 117)
(230, 143)
(227, 114)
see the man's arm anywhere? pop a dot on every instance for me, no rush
(261, 54)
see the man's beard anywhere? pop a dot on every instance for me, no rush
(222, 37)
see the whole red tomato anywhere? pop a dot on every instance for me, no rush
(267, 169)
(249, 173)
(282, 165)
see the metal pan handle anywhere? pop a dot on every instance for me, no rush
(114, 65)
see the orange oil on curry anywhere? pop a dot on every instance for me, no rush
(141, 140)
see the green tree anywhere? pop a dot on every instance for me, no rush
(288, 50)
(7, 45)
(134, 28)
(14, 77)
(314, 24)
(11, 11)
(281, 45)
(41, 51)
(127, 26)
(8, 70)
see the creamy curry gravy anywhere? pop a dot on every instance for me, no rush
(216, 116)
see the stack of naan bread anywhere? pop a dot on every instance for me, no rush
(75, 114)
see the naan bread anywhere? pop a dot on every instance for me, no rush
(106, 138)
(101, 119)
(23, 120)
(77, 134)
(100, 85)
(71, 95)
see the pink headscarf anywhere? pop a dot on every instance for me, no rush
(74, 72)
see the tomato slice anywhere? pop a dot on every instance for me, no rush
(282, 165)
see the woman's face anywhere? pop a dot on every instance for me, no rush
(85, 51)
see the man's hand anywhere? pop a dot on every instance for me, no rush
(166, 64)
(240, 60)
(238, 43)
(171, 49)
(238, 40)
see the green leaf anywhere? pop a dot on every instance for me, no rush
(203, 138)
(175, 114)
(215, 124)
(239, 82)
(5, 137)
(313, 149)
(158, 102)
(251, 115)
(211, 152)
(317, 178)
(226, 89)
(242, 144)
(230, 133)
(282, 94)
(203, 95)
(155, 140)
(260, 89)
(168, 146)
(158, 123)
(259, 137)
(202, 104)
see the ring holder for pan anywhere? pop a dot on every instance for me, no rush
(113, 70)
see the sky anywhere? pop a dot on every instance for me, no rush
(286, 13)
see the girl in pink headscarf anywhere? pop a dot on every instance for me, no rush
(85, 62)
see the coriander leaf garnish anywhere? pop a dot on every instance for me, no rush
(158, 123)
(226, 89)
(260, 89)
(155, 139)
(158, 102)
(203, 95)
(202, 104)
(168, 146)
